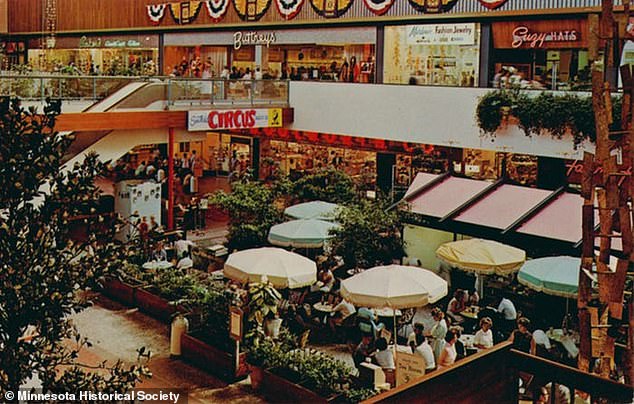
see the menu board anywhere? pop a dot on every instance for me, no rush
(408, 367)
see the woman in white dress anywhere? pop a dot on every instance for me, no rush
(438, 331)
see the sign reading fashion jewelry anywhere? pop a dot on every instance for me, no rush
(234, 119)
(441, 34)
(252, 38)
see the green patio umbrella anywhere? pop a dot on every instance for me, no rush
(312, 210)
(557, 276)
(304, 233)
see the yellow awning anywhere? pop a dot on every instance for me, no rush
(482, 256)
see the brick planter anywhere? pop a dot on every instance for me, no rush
(281, 390)
(153, 305)
(212, 359)
(119, 291)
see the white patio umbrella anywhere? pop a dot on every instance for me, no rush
(303, 233)
(284, 269)
(394, 286)
(312, 210)
(480, 256)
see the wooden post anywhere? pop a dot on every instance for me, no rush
(170, 179)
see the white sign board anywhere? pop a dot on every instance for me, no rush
(234, 119)
(441, 34)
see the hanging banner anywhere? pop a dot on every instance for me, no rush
(331, 8)
(432, 6)
(185, 12)
(441, 34)
(156, 12)
(378, 7)
(234, 119)
(492, 4)
(251, 10)
(216, 9)
(289, 8)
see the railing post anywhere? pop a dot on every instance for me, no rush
(94, 88)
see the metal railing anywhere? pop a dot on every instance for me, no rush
(177, 91)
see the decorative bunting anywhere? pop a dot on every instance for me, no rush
(331, 8)
(216, 9)
(432, 6)
(251, 10)
(156, 12)
(492, 4)
(289, 8)
(185, 12)
(378, 7)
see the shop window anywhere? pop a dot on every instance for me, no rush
(184, 147)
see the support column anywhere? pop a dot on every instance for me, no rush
(170, 179)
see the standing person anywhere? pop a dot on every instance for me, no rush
(448, 354)
(225, 73)
(522, 338)
(438, 331)
(355, 70)
(344, 73)
(507, 311)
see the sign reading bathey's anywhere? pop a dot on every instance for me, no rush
(234, 119)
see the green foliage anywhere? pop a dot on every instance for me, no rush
(356, 395)
(368, 235)
(545, 113)
(43, 271)
(328, 185)
(263, 301)
(252, 211)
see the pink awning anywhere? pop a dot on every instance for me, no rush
(503, 206)
(446, 196)
(560, 220)
(420, 180)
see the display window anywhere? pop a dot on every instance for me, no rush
(294, 159)
(432, 54)
(427, 159)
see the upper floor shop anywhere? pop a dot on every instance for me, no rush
(459, 43)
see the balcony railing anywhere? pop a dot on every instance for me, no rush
(174, 91)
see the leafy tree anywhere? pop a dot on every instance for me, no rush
(252, 210)
(42, 271)
(328, 185)
(368, 235)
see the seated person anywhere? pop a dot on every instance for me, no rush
(342, 314)
(474, 297)
(325, 281)
(363, 350)
(159, 253)
(419, 329)
(448, 354)
(484, 336)
(367, 322)
(384, 357)
(456, 305)
(423, 349)
(185, 262)
(461, 352)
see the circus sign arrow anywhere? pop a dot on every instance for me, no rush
(492, 4)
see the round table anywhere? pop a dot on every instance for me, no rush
(470, 312)
(157, 265)
(323, 307)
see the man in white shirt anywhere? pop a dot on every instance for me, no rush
(423, 349)
(182, 246)
(507, 311)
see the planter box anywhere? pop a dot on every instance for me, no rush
(212, 359)
(280, 390)
(120, 291)
(155, 306)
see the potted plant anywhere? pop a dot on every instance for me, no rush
(262, 309)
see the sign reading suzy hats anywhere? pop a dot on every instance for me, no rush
(492, 4)
(218, 119)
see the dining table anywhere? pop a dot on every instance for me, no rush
(153, 265)
(470, 312)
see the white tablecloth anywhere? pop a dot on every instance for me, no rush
(157, 265)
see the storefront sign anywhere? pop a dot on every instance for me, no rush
(85, 42)
(574, 172)
(241, 38)
(441, 34)
(408, 367)
(543, 34)
(523, 35)
(234, 119)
